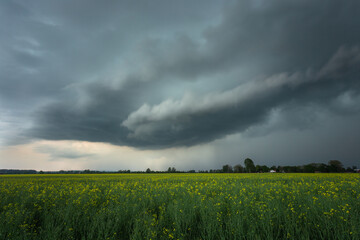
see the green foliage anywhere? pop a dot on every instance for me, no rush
(335, 166)
(238, 168)
(227, 169)
(171, 170)
(249, 165)
(180, 206)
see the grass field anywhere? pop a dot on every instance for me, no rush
(180, 206)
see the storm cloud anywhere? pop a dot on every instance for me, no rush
(291, 52)
(195, 119)
(164, 75)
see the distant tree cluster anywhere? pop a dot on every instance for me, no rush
(17, 171)
(171, 170)
(333, 166)
(86, 171)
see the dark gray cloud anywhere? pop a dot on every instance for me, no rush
(192, 119)
(166, 74)
(47, 48)
(278, 36)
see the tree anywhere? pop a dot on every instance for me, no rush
(148, 170)
(265, 168)
(310, 168)
(227, 168)
(323, 168)
(335, 166)
(238, 168)
(249, 165)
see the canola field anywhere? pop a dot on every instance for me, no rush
(180, 206)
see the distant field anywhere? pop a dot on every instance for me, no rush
(180, 206)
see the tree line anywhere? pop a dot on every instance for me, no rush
(333, 166)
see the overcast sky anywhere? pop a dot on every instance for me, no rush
(112, 85)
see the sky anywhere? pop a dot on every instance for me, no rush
(110, 85)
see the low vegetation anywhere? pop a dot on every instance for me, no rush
(180, 206)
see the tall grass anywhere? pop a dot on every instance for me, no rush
(180, 206)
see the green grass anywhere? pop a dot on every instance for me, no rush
(180, 206)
